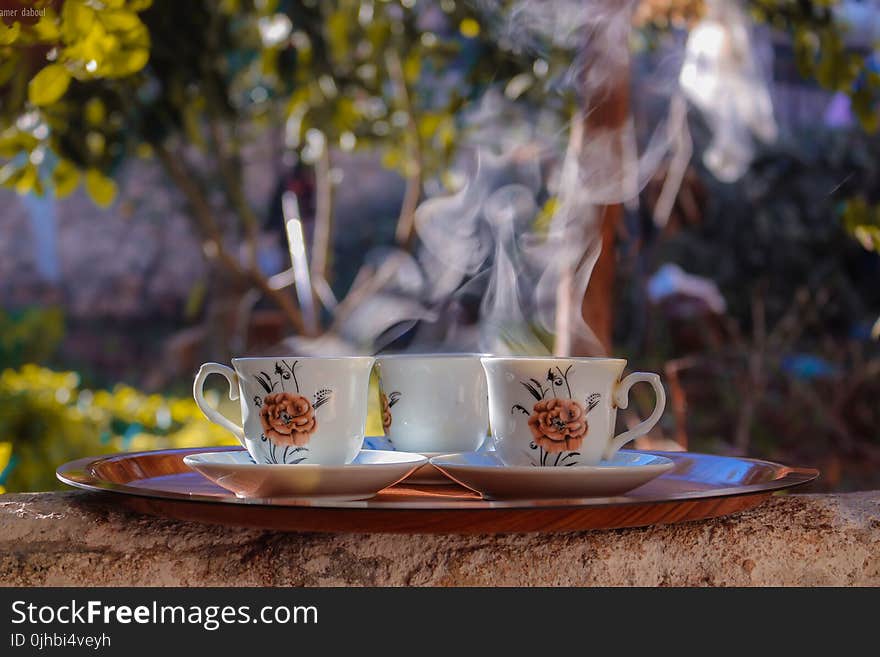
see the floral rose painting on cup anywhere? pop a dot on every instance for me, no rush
(287, 417)
(557, 422)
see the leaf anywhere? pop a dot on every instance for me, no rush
(77, 20)
(537, 395)
(336, 26)
(95, 111)
(125, 63)
(13, 142)
(48, 85)
(27, 179)
(412, 67)
(263, 380)
(469, 28)
(101, 189)
(65, 178)
(119, 20)
(9, 33)
(46, 29)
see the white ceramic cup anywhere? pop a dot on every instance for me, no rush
(561, 411)
(433, 403)
(295, 410)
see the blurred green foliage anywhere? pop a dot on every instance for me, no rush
(47, 418)
(30, 335)
(44, 62)
(100, 82)
(87, 86)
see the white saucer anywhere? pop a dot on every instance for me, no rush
(370, 472)
(485, 473)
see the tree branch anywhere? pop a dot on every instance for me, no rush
(232, 189)
(204, 219)
(321, 241)
(405, 232)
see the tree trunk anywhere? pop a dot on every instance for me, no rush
(606, 112)
(598, 302)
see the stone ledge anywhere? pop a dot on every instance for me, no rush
(77, 538)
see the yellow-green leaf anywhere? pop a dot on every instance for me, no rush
(469, 28)
(337, 34)
(77, 20)
(545, 216)
(119, 20)
(125, 63)
(9, 33)
(428, 124)
(65, 178)
(95, 111)
(100, 188)
(46, 29)
(27, 179)
(412, 68)
(13, 142)
(48, 85)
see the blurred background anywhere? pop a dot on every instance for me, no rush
(691, 184)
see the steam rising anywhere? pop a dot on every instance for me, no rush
(500, 270)
(722, 77)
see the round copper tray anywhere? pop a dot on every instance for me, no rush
(700, 486)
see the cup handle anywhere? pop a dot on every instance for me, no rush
(211, 413)
(621, 400)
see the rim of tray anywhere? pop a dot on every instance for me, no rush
(80, 474)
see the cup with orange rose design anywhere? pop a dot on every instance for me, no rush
(294, 409)
(561, 412)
